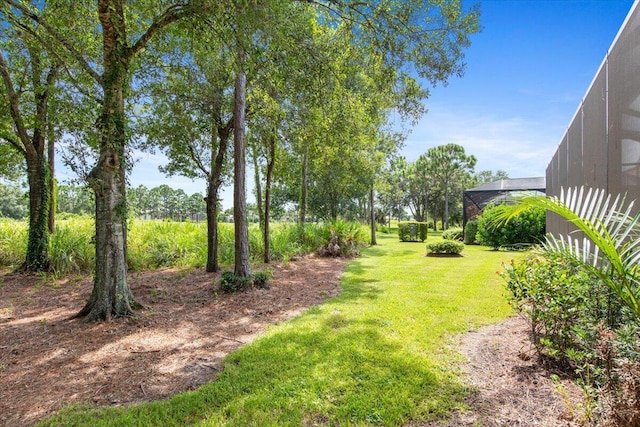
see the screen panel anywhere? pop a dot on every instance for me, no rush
(624, 110)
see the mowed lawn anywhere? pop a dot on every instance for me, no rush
(379, 354)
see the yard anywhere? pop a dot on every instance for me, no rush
(387, 344)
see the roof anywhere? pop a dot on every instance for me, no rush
(515, 184)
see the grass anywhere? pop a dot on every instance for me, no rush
(153, 244)
(375, 355)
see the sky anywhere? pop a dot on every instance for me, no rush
(527, 71)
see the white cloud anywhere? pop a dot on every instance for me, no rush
(520, 146)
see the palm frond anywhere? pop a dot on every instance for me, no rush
(610, 248)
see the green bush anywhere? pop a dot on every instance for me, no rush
(381, 228)
(453, 233)
(451, 247)
(231, 283)
(563, 304)
(528, 227)
(470, 231)
(261, 279)
(412, 231)
(580, 323)
(343, 238)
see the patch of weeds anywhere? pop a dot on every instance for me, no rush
(261, 279)
(337, 321)
(160, 293)
(7, 312)
(231, 283)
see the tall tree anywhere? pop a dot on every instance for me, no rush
(190, 115)
(417, 186)
(29, 75)
(124, 35)
(446, 163)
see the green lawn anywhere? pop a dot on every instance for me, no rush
(376, 355)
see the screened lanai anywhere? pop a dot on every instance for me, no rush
(500, 191)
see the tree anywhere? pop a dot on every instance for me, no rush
(190, 115)
(12, 202)
(123, 39)
(75, 200)
(488, 176)
(11, 162)
(426, 38)
(29, 77)
(448, 163)
(391, 186)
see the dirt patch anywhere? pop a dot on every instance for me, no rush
(179, 340)
(176, 343)
(510, 386)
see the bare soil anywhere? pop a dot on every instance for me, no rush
(178, 341)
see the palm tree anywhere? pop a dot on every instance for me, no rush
(609, 247)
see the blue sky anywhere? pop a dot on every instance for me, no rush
(527, 72)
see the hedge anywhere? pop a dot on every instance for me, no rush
(412, 231)
(445, 247)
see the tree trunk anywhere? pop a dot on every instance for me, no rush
(111, 295)
(435, 219)
(372, 217)
(37, 257)
(256, 177)
(267, 196)
(33, 149)
(212, 228)
(222, 135)
(303, 190)
(445, 220)
(51, 155)
(242, 265)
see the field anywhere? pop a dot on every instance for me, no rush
(153, 244)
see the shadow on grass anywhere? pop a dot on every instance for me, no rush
(337, 371)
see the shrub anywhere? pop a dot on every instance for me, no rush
(578, 322)
(71, 248)
(261, 279)
(453, 233)
(412, 231)
(451, 247)
(231, 283)
(470, 231)
(563, 303)
(528, 227)
(381, 228)
(342, 238)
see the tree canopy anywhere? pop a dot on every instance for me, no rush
(311, 86)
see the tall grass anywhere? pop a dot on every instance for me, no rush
(13, 242)
(153, 244)
(71, 247)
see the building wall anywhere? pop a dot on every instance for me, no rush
(601, 147)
